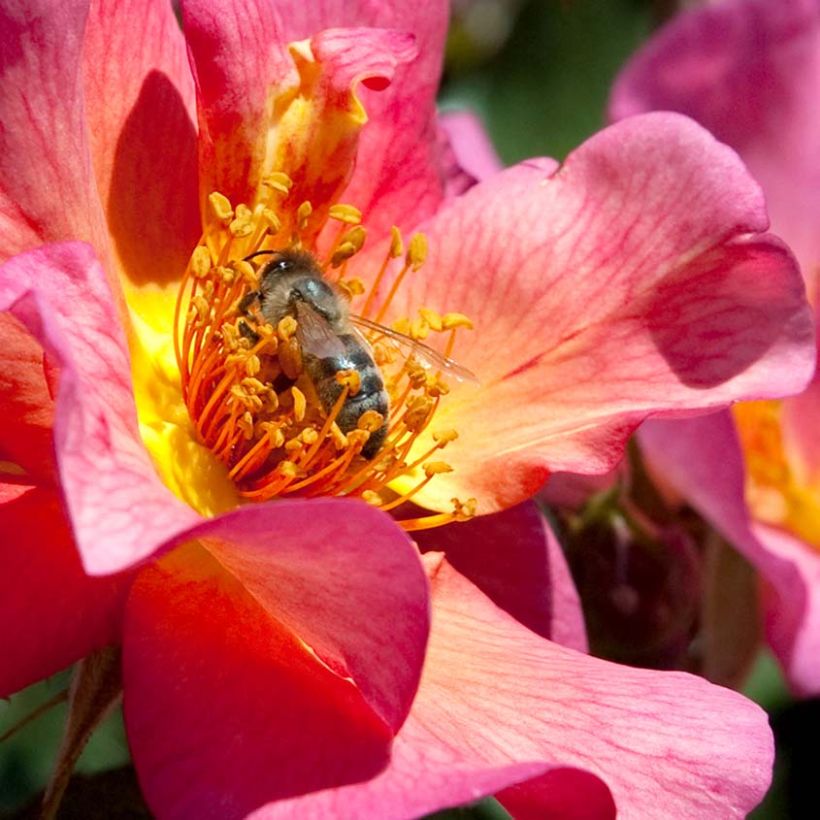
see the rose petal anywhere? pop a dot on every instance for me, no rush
(701, 460)
(140, 110)
(497, 702)
(750, 72)
(238, 58)
(54, 614)
(514, 558)
(397, 178)
(120, 510)
(800, 421)
(26, 404)
(629, 283)
(267, 634)
(47, 189)
(471, 149)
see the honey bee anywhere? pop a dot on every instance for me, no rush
(292, 284)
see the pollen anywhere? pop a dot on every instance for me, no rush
(250, 380)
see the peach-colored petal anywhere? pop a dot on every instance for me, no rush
(47, 189)
(139, 100)
(701, 460)
(514, 558)
(633, 281)
(54, 614)
(120, 510)
(298, 639)
(26, 403)
(397, 179)
(749, 71)
(497, 703)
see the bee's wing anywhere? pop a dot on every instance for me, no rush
(427, 357)
(315, 334)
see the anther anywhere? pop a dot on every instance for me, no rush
(278, 181)
(201, 262)
(303, 213)
(396, 243)
(348, 214)
(299, 403)
(417, 251)
(432, 468)
(220, 207)
(453, 320)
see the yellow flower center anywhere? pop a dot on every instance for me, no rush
(776, 492)
(293, 393)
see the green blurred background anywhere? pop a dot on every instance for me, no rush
(539, 74)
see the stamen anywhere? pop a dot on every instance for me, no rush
(249, 386)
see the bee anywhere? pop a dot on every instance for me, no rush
(292, 284)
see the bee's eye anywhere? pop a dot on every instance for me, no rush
(282, 265)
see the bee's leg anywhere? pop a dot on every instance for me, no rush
(247, 332)
(246, 302)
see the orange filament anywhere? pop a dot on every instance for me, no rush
(244, 383)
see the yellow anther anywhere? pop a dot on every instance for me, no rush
(418, 413)
(271, 220)
(278, 181)
(396, 243)
(351, 379)
(254, 386)
(287, 469)
(354, 286)
(432, 468)
(370, 420)
(358, 438)
(244, 270)
(201, 262)
(339, 438)
(402, 326)
(309, 436)
(419, 329)
(451, 320)
(245, 424)
(372, 498)
(274, 433)
(294, 445)
(303, 213)
(202, 307)
(434, 386)
(464, 510)
(220, 207)
(444, 437)
(417, 251)
(432, 318)
(348, 214)
(286, 327)
(356, 237)
(253, 365)
(342, 254)
(242, 225)
(226, 275)
(299, 403)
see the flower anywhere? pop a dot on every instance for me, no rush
(747, 71)
(272, 652)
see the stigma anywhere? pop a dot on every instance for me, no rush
(287, 373)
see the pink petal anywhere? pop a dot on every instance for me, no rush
(54, 614)
(120, 510)
(238, 56)
(266, 633)
(514, 558)
(471, 149)
(397, 177)
(634, 281)
(26, 404)
(749, 71)
(139, 100)
(800, 422)
(498, 706)
(47, 189)
(701, 460)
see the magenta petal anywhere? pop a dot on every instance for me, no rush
(47, 189)
(472, 150)
(568, 794)
(397, 178)
(499, 706)
(120, 510)
(701, 460)
(633, 281)
(514, 558)
(280, 661)
(53, 613)
(749, 71)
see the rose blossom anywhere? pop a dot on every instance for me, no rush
(750, 72)
(276, 657)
